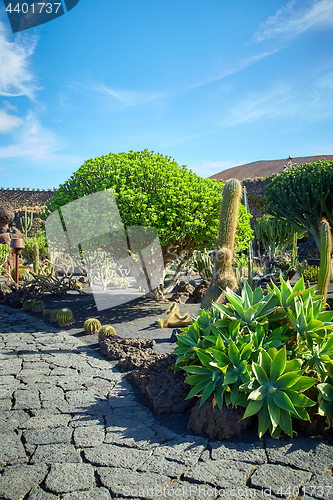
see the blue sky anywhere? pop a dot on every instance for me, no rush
(213, 85)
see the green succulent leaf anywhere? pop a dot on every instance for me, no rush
(253, 408)
(285, 422)
(264, 420)
(278, 364)
(326, 391)
(304, 383)
(282, 400)
(274, 412)
(287, 380)
(207, 392)
(260, 374)
(258, 394)
(299, 400)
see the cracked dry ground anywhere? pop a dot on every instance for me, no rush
(72, 428)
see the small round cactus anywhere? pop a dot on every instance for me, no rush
(47, 312)
(27, 305)
(65, 317)
(92, 325)
(38, 306)
(106, 331)
(53, 316)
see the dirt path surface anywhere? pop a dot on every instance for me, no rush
(135, 319)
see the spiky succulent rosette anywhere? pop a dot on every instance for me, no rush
(53, 316)
(65, 317)
(38, 306)
(27, 305)
(47, 312)
(106, 331)
(92, 325)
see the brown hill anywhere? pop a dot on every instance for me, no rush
(264, 168)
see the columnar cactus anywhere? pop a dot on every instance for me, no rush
(325, 258)
(250, 250)
(65, 317)
(36, 258)
(106, 331)
(203, 264)
(26, 222)
(223, 274)
(92, 325)
(38, 306)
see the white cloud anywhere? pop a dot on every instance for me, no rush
(10, 107)
(40, 144)
(33, 140)
(8, 122)
(16, 77)
(295, 18)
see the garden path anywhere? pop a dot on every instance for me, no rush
(72, 427)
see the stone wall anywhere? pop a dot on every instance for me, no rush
(33, 200)
(256, 196)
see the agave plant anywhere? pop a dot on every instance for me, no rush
(275, 392)
(318, 354)
(250, 307)
(221, 372)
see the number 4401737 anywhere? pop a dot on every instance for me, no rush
(39, 8)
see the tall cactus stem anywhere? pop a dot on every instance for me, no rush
(36, 258)
(223, 274)
(26, 222)
(250, 250)
(325, 258)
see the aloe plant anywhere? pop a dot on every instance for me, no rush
(276, 392)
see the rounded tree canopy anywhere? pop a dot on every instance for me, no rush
(303, 195)
(152, 190)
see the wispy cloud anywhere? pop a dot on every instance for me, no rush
(31, 140)
(272, 102)
(10, 107)
(16, 76)
(305, 101)
(8, 122)
(294, 18)
(123, 98)
(40, 144)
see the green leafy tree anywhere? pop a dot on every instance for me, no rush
(152, 190)
(303, 195)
